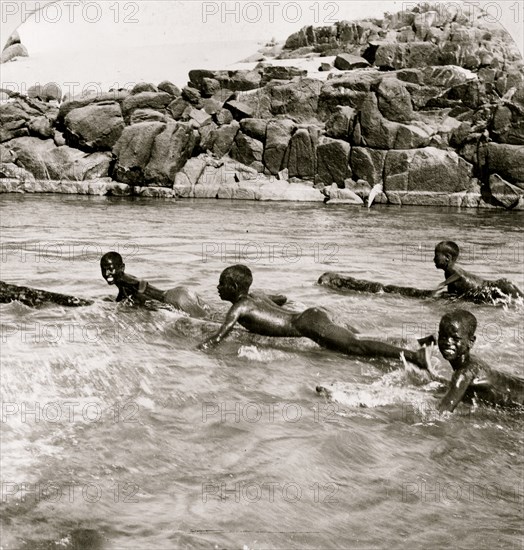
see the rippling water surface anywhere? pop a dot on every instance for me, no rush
(118, 433)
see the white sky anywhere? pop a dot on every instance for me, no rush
(85, 24)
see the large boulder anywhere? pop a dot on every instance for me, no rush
(188, 176)
(13, 39)
(147, 115)
(41, 126)
(297, 99)
(222, 138)
(77, 102)
(392, 56)
(333, 161)
(508, 124)
(255, 128)
(347, 62)
(46, 161)
(14, 116)
(394, 101)
(157, 101)
(506, 160)
(278, 135)
(302, 153)
(169, 88)
(428, 169)
(272, 72)
(368, 164)
(340, 124)
(95, 127)
(248, 151)
(170, 151)
(179, 109)
(12, 52)
(503, 192)
(380, 133)
(235, 80)
(446, 76)
(350, 89)
(140, 87)
(133, 151)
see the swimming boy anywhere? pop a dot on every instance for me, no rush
(472, 378)
(259, 315)
(138, 290)
(465, 285)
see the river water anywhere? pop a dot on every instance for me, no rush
(118, 433)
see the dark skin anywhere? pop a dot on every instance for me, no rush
(463, 283)
(259, 315)
(140, 291)
(130, 287)
(472, 378)
(458, 280)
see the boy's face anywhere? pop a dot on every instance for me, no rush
(227, 289)
(441, 259)
(111, 270)
(454, 342)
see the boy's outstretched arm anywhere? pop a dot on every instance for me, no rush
(231, 318)
(460, 382)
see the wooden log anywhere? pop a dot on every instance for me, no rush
(34, 297)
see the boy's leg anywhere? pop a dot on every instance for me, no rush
(315, 324)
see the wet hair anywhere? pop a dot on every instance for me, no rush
(241, 275)
(449, 247)
(114, 257)
(464, 317)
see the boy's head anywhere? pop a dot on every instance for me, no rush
(112, 266)
(234, 282)
(456, 335)
(446, 254)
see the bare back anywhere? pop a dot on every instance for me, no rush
(260, 315)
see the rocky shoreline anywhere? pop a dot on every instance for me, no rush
(421, 107)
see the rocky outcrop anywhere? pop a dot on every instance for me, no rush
(427, 105)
